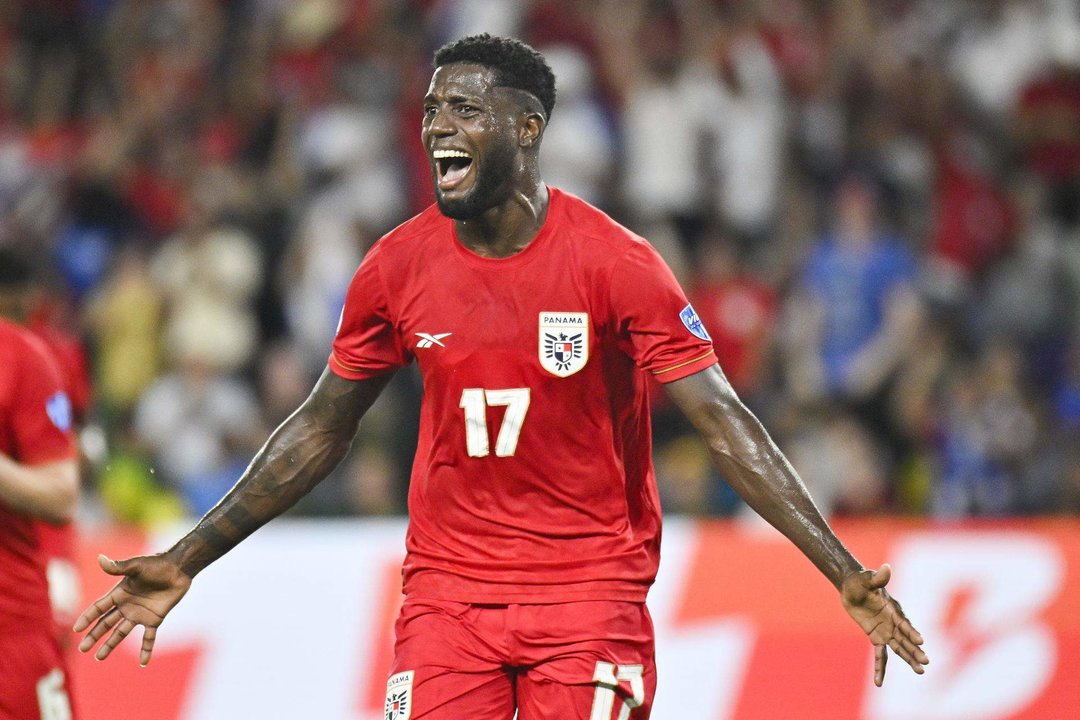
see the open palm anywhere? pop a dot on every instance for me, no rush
(150, 588)
(883, 620)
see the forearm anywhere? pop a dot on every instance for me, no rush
(295, 458)
(48, 491)
(298, 455)
(762, 476)
(753, 465)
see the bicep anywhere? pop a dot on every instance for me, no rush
(705, 398)
(337, 404)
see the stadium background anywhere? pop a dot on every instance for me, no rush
(875, 206)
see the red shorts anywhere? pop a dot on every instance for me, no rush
(592, 660)
(33, 680)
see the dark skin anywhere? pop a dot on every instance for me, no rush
(499, 129)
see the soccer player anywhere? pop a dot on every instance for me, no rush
(534, 528)
(38, 482)
(22, 301)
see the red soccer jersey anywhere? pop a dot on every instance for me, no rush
(35, 428)
(533, 478)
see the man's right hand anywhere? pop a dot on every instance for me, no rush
(150, 588)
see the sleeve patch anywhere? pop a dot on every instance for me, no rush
(693, 323)
(58, 408)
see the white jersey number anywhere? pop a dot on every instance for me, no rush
(52, 697)
(475, 402)
(607, 678)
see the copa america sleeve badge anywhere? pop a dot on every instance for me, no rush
(693, 323)
(564, 342)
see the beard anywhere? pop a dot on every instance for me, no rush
(491, 187)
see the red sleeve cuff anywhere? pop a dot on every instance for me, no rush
(686, 368)
(351, 372)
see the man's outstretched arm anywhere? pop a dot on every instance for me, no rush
(753, 465)
(298, 455)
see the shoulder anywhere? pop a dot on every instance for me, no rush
(607, 237)
(23, 346)
(25, 361)
(411, 235)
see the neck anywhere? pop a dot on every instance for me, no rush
(507, 228)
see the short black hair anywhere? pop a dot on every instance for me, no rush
(15, 269)
(516, 64)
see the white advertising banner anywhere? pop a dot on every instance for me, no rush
(296, 624)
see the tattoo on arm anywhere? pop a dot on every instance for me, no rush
(298, 455)
(753, 465)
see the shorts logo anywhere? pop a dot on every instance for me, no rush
(564, 342)
(399, 696)
(692, 322)
(58, 408)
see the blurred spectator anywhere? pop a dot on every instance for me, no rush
(988, 430)
(200, 425)
(844, 467)
(579, 148)
(738, 310)
(857, 310)
(747, 118)
(209, 273)
(124, 317)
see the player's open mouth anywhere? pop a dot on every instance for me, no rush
(452, 167)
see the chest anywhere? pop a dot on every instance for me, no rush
(540, 318)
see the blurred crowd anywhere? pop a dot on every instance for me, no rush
(874, 205)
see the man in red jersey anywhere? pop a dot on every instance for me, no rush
(23, 301)
(38, 481)
(534, 522)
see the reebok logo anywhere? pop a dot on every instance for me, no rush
(427, 341)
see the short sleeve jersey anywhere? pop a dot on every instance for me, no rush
(533, 478)
(35, 428)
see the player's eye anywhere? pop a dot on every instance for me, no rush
(430, 110)
(467, 110)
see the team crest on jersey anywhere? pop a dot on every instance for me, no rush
(564, 342)
(399, 696)
(693, 323)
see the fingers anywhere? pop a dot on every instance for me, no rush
(114, 567)
(881, 576)
(122, 629)
(906, 655)
(104, 625)
(881, 658)
(908, 630)
(97, 608)
(149, 634)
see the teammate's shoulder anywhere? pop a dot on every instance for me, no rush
(13, 335)
(587, 219)
(23, 347)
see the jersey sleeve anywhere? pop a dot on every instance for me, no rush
(41, 412)
(366, 344)
(655, 323)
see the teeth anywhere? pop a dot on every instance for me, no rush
(443, 154)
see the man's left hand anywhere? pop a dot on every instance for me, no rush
(883, 620)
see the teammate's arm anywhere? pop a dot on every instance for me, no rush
(45, 491)
(754, 466)
(298, 455)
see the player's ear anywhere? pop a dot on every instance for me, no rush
(531, 129)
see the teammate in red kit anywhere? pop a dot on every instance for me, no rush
(38, 481)
(534, 528)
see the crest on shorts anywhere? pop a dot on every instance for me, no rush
(399, 696)
(564, 342)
